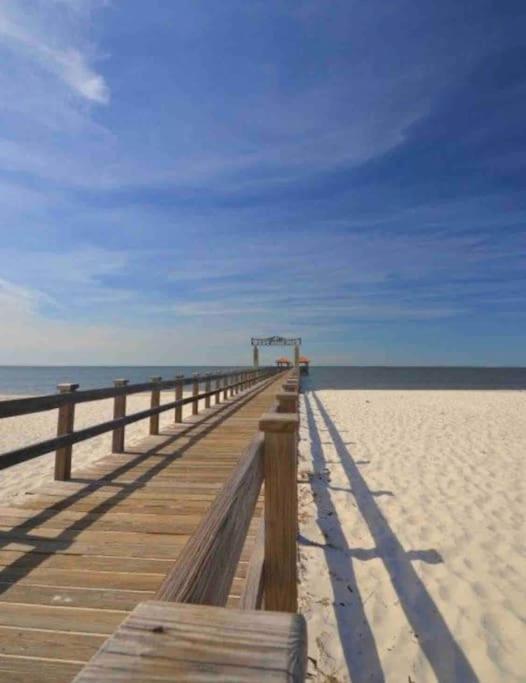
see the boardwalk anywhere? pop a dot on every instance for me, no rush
(77, 556)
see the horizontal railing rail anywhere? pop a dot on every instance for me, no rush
(67, 436)
(38, 404)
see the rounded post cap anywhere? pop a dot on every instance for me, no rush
(66, 387)
(155, 379)
(279, 423)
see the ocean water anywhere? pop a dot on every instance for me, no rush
(37, 380)
(382, 377)
(43, 380)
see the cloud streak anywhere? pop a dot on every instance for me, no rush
(27, 31)
(262, 168)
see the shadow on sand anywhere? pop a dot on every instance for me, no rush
(445, 656)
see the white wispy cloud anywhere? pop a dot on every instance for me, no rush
(39, 31)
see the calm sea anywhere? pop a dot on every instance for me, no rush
(43, 380)
(26, 380)
(417, 378)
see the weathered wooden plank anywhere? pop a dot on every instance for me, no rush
(111, 599)
(29, 670)
(89, 536)
(79, 578)
(110, 521)
(109, 494)
(146, 505)
(44, 617)
(9, 558)
(151, 551)
(166, 642)
(56, 645)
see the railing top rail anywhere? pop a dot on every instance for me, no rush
(38, 404)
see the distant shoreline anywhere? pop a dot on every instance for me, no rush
(37, 380)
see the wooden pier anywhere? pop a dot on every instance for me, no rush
(175, 518)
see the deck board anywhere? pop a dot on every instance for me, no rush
(76, 557)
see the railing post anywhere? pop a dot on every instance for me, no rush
(225, 390)
(232, 381)
(207, 389)
(178, 396)
(155, 403)
(195, 392)
(291, 385)
(218, 390)
(119, 410)
(281, 510)
(65, 423)
(287, 402)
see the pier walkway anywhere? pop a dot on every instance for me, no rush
(77, 556)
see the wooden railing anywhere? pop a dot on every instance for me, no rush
(229, 383)
(187, 633)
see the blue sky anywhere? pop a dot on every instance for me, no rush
(177, 176)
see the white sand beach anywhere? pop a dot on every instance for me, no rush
(20, 431)
(412, 535)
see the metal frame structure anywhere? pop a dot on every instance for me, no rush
(276, 341)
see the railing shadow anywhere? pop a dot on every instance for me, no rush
(444, 654)
(354, 630)
(19, 533)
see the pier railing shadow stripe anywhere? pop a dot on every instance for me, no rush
(444, 654)
(353, 627)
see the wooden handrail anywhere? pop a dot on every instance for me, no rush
(205, 569)
(69, 438)
(162, 642)
(38, 404)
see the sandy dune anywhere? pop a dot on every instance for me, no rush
(412, 535)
